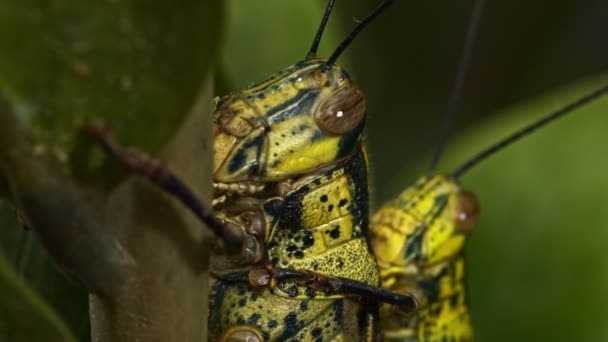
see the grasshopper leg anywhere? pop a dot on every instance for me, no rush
(162, 177)
(406, 303)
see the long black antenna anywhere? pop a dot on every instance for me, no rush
(351, 36)
(527, 130)
(315, 43)
(457, 86)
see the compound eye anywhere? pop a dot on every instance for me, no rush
(342, 111)
(467, 211)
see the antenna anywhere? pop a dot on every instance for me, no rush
(315, 43)
(457, 86)
(351, 36)
(527, 130)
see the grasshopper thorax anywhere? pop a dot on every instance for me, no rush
(300, 120)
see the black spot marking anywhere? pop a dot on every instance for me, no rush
(292, 291)
(242, 302)
(310, 293)
(294, 251)
(304, 305)
(272, 324)
(330, 208)
(240, 320)
(323, 198)
(308, 240)
(335, 233)
(342, 202)
(253, 319)
(316, 332)
(291, 326)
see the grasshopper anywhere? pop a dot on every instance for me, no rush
(290, 208)
(419, 237)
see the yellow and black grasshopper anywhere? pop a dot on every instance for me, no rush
(291, 210)
(419, 240)
(290, 206)
(419, 237)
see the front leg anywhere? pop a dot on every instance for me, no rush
(232, 235)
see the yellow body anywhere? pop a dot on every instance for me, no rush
(327, 234)
(420, 249)
(319, 227)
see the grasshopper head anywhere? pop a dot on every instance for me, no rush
(425, 225)
(303, 118)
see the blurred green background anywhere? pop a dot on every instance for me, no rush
(537, 265)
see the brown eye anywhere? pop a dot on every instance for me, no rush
(467, 211)
(342, 111)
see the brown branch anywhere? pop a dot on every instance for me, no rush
(64, 217)
(167, 297)
(142, 255)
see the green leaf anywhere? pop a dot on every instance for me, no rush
(24, 315)
(25, 255)
(65, 62)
